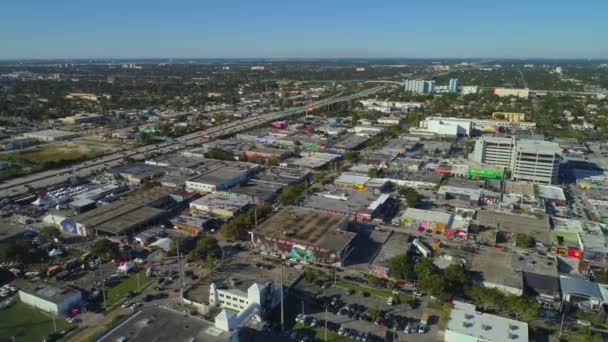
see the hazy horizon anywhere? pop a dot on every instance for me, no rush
(36, 29)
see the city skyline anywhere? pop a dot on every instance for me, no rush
(340, 29)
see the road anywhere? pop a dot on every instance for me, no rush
(22, 185)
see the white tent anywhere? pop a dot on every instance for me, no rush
(41, 201)
(164, 244)
(55, 252)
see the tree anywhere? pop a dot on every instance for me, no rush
(318, 177)
(372, 281)
(290, 195)
(351, 156)
(401, 268)
(411, 196)
(372, 172)
(205, 247)
(524, 241)
(105, 249)
(48, 234)
(220, 154)
(274, 161)
(456, 279)
(239, 227)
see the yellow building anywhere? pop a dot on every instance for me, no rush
(513, 117)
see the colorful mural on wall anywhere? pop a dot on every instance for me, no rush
(293, 250)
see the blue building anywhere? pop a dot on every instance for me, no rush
(453, 87)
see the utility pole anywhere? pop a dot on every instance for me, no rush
(181, 282)
(561, 325)
(325, 337)
(255, 215)
(302, 301)
(54, 323)
(103, 287)
(282, 306)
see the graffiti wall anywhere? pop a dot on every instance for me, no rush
(294, 250)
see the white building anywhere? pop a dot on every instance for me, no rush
(535, 161)
(234, 294)
(50, 298)
(419, 86)
(468, 325)
(446, 126)
(466, 90)
(528, 160)
(517, 92)
(493, 151)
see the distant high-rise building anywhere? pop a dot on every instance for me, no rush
(453, 87)
(419, 86)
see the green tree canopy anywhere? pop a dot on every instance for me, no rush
(105, 249)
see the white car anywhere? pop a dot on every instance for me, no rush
(298, 266)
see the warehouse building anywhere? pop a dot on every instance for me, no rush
(303, 234)
(126, 216)
(50, 298)
(220, 203)
(51, 135)
(219, 175)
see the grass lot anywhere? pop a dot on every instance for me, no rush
(320, 333)
(377, 292)
(26, 324)
(119, 291)
(44, 157)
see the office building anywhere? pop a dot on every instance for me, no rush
(493, 151)
(419, 86)
(528, 160)
(453, 86)
(535, 161)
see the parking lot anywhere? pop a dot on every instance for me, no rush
(364, 312)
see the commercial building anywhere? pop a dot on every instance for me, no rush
(220, 203)
(428, 220)
(446, 126)
(466, 90)
(536, 161)
(306, 235)
(503, 92)
(51, 135)
(528, 160)
(311, 160)
(509, 116)
(158, 323)
(126, 216)
(17, 143)
(453, 85)
(536, 226)
(82, 118)
(357, 205)
(494, 125)
(419, 86)
(220, 175)
(493, 150)
(466, 324)
(138, 172)
(50, 298)
(417, 180)
(238, 292)
(581, 293)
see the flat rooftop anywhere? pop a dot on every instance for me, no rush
(162, 324)
(536, 226)
(49, 292)
(308, 226)
(396, 244)
(340, 200)
(494, 266)
(465, 320)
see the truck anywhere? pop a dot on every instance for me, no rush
(424, 250)
(424, 321)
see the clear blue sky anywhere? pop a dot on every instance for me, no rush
(304, 28)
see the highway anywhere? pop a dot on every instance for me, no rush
(24, 184)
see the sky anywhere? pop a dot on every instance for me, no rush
(303, 29)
